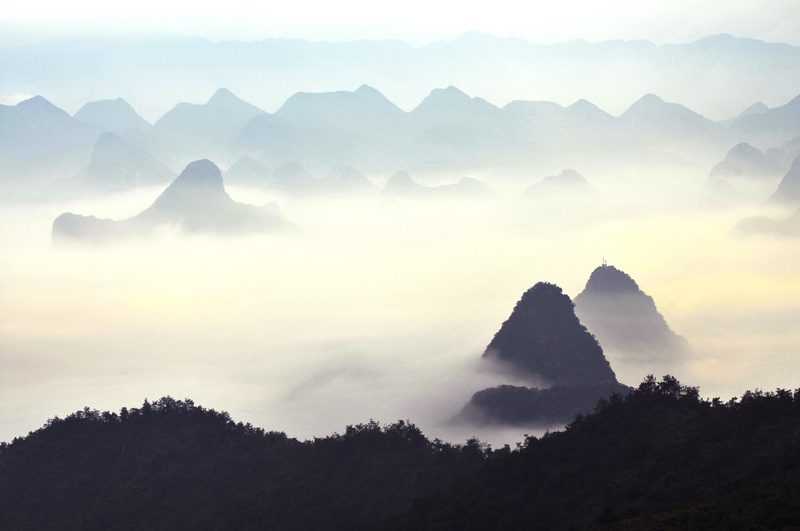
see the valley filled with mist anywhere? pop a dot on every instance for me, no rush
(475, 283)
(394, 243)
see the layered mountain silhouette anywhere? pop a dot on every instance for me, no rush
(39, 140)
(363, 129)
(544, 340)
(206, 128)
(116, 166)
(625, 319)
(196, 201)
(94, 65)
(401, 185)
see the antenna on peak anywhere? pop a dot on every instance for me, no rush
(604, 262)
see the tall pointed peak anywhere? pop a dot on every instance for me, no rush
(224, 97)
(544, 337)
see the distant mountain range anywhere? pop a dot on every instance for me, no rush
(149, 70)
(364, 130)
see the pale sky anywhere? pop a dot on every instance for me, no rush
(415, 21)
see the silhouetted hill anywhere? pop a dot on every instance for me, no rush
(659, 451)
(657, 458)
(173, 465)
(625, 319)
(196, 201)
(116, 166)
(543, 341)
(543, 337)
(112, 115)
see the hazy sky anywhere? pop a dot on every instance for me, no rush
(415, 21)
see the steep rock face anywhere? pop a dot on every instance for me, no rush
(624, 318)
(196, 201)
(544, 337)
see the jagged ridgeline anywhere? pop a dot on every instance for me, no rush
(625, 319)
(544, 340)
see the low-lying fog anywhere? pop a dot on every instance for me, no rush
(379, 308)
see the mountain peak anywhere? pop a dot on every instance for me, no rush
(544, 337)
(625, 319)
(198, 187)
(224, 98)
(112, 115)
(39, 102)
(366, 90)
(609, 279)
(649, 99)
